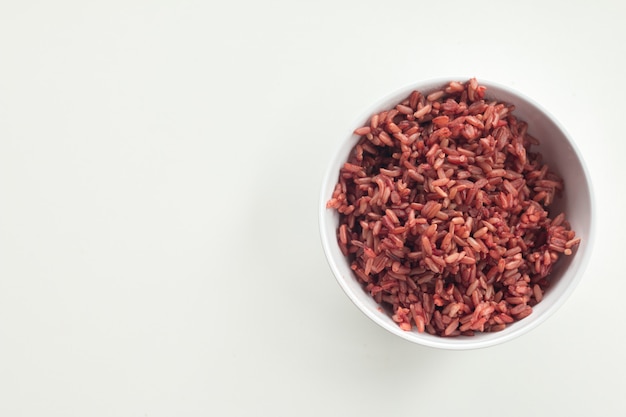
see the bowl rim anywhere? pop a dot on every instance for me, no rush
(432, 341)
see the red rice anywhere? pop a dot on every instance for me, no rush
(444, 213)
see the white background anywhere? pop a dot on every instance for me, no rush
(160, 166)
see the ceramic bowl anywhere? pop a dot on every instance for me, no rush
(559, 151)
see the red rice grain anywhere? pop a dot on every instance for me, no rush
(444, 213)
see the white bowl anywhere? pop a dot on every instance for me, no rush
(559, 151)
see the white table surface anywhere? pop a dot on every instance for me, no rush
(160, 166)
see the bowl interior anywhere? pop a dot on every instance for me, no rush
(562, 156)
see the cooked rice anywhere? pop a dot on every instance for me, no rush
(444, 213)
